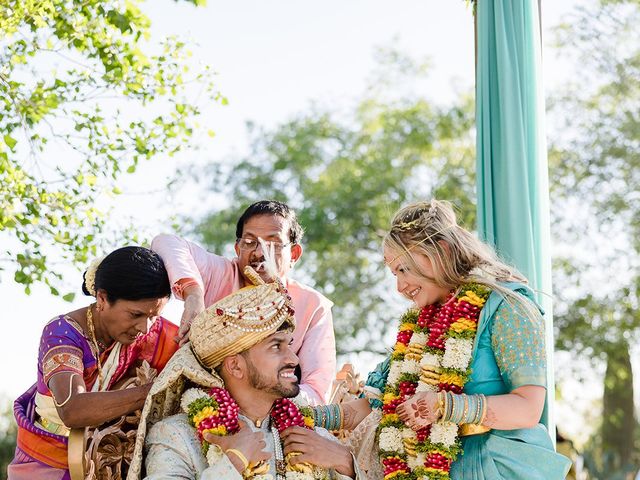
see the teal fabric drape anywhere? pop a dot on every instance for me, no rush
(512, 174)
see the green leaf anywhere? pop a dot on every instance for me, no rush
(10, 141)
(69, 297)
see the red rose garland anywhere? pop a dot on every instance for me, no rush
(216, 412)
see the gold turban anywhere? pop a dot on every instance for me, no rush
(239, 321)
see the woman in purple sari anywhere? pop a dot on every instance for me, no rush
(85, 353)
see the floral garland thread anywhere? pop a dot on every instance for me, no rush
(216, 412)
(432, 353)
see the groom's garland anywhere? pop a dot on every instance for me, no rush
(432, 353)
(216, 412)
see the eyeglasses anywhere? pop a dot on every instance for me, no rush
(251, 244)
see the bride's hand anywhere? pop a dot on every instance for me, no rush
(420, 410)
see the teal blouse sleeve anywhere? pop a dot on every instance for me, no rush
(519, 347)
(377, 379)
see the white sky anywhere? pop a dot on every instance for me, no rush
(273, 59)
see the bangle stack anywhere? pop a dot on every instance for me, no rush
(461, 408)
(328, 416)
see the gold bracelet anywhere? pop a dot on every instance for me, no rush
(240, 455)
(485, 406)
(441, 401)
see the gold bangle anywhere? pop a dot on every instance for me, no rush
(240, 455)
(441, 401)
(485, 406)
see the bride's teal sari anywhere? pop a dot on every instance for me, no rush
(509, 352)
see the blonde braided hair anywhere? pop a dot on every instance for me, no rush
(456, 255)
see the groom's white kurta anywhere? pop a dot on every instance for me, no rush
(173, 451)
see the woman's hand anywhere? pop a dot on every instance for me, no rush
(420, 411)
(250, 443)
(354, 412)
(317, 450)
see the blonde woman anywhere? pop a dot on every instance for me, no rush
(462, 394)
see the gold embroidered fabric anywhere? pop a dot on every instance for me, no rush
(164, 398)
(364, 446)
(519, 347)
(63, 358)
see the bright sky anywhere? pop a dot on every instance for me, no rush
(273, 59)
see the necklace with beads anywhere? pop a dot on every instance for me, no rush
(92, 336)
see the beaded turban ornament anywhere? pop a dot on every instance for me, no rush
(241, 320)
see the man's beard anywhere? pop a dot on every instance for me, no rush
(279, 389)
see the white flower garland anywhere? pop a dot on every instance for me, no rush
(457, 353)
(391, 440)
(190, 396)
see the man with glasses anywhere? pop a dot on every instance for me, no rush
(201, 278)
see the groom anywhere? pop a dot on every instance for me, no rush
(245, 339)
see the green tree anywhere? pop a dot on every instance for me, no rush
(80, 83)
(595, 162)
(345, 179)
(8, 431)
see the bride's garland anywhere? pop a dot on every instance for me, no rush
(216, 412)
(432, 353)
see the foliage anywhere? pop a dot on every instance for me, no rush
(60, 61)
(8, 431)
(595, 173)
(596, 167)
(345, 179)
(613, 452)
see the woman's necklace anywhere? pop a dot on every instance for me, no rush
(92, 336)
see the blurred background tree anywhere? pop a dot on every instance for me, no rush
(595, 167)
(59, 61)
(8, 431)
(345, 173)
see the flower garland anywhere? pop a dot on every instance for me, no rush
(216, 412)
(285, 414)
(90, 276)
(432, 353)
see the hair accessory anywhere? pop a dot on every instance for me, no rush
(90, 275)
(407, 225)
(431, 214)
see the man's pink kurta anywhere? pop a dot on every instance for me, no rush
(313, 338)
